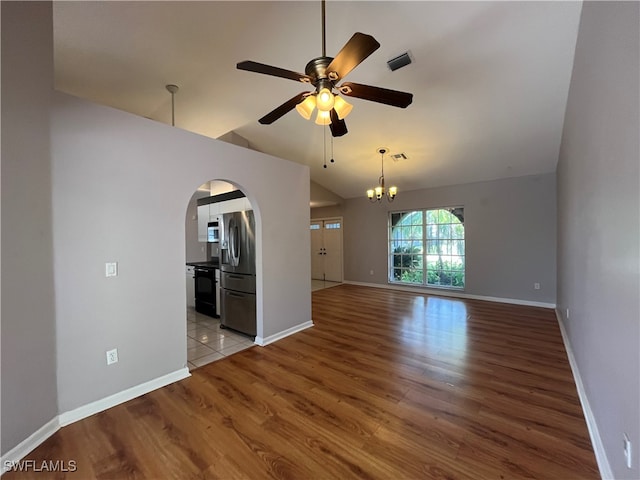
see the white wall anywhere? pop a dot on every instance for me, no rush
(29, 398)
(121, 185)
(327, 212)
(599, 223)
(510, 233)
(321, 197)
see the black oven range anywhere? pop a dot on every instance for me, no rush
(206, 288)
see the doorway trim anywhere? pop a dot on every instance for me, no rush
(339, 218)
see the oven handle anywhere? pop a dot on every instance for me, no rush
(203, 270)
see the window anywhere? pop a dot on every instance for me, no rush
(426, 247)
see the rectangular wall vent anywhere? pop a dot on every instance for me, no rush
(399, 61)
(399, 156)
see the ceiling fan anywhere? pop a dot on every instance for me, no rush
(324, 73)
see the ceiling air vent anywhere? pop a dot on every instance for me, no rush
(399, 61)
(398, 157)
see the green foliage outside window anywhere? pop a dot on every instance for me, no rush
(442, 262)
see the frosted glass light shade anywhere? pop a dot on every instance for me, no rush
(306, 107)
(325, 100)
(393, 191)
(323, 118)
(370, 193)
(342, 107)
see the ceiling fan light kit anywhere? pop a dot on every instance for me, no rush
(324, 100)
(342, 107)
(323, 73)
(377, 193)
(323, 118)
(306, 107)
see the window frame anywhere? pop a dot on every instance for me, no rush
(423, 241)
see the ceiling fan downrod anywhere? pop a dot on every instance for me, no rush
(324, 33)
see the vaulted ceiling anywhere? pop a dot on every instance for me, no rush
(490, 80)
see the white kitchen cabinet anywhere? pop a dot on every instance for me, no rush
(203, 220)
(212, 212)
(235, 205)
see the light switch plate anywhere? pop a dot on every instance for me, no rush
(111, 269)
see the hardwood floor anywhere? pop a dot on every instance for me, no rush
(387, 385)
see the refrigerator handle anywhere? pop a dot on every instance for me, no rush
(234, 243)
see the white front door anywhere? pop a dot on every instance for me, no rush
(317, 250)
(326, 249)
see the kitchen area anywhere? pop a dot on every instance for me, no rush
(220, 273)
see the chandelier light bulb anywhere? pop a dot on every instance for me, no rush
(325, 100)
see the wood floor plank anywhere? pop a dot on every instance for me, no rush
(386, 385)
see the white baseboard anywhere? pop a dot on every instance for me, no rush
(29, 444)
(285, 333)
(92, 408)
(455, 294)
(601, 457)
(34, 440)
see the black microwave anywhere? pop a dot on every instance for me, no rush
(213, 232)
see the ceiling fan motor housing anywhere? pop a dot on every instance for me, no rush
(317, 70)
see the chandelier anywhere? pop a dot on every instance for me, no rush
(375, 194)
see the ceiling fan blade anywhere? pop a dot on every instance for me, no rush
(359, 47)
(256, 67)
(338, 127)
(377, 94)
(286, 107)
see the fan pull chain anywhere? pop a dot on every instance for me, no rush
(332, 160)
(324, 146)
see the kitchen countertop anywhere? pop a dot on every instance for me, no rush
(210, 264)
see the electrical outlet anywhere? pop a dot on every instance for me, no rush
(370, 272)
(112, 356)
(536, 286)
(627, 450)
(567, 314)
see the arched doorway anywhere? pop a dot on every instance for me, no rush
(207, 339)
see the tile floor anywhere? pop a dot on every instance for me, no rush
(206, 342)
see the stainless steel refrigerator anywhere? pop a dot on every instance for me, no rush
(238, 272)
